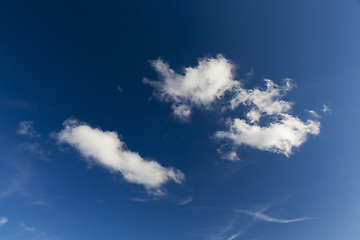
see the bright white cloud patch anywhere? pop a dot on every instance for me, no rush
(279, 136)
(197, 86)
(3, 221)
(106, 149)
(280, 131)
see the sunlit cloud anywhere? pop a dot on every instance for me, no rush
(198, 86)
(106, 149)
(268, 124)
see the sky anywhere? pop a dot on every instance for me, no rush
(210, 120)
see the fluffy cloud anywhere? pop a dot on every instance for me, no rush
(197, 86)
(279, 136)
(3, 221)
(106, 149)
(26, 128)
(268, 125)
(263, 101)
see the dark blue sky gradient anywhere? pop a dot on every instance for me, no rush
(62, 59)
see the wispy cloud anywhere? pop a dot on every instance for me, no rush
(137, 199)
(198, 86)
(228, 155)
(27, 228)
(185, 201)
(313, 113)
(267, 218)
(3, 220)
(326, 109)
(26, 128)
(36, 149)
(16, 184)
(106, 149)
(38, 203)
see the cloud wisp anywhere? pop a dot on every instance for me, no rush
(260, 216)
(26, 128)
(36, 149)
(198, 86)
(185, 201)
(106, 149)
(3, 220)
(27, 228)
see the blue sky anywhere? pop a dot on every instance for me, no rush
(179, 120)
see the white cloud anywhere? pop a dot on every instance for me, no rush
(267, 218)
(27, 228)
(263, 101)
(326, 109)
(280, 131)
(315, 114)
(279, 136)
(3, 221)
(26, 128)
(268, 124)
(185, 201)
(228, 155)
(198, 86)
(106, 149)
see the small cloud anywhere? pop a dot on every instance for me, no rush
(326, 109)
(99, 201)
(313, 113)
(119, 88)
(3, 221)
(185, 201)
(26, 128)
(107, 150)
(38, 203)
(35, 148)
(232, 155)
(198, 86)
(27, 228)
(136, 199)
